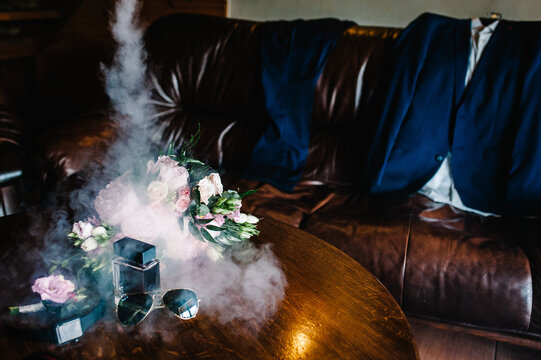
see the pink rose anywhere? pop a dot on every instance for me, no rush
(54, 288)
(184, 191)
(82, 229)
(182, 204)
(183, 201)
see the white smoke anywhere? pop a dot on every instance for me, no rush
(125, 80)
(247, 284)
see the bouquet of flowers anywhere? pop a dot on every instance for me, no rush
(192, 191)
(177, 202)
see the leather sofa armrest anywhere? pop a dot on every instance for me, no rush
(78, 146)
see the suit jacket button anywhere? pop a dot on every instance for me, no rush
(439, 158)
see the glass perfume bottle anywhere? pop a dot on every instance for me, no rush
(135, 268)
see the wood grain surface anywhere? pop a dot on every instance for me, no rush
(333, 309)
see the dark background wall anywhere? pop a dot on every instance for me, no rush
(50, 50)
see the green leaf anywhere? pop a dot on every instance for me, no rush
(203, 210)
(170, 149)
(196, 196)
(194, 230)
(214, 228)
(56, 262)
(207, 236)
(65, 263)
(13, 310)
(53, 269)
(204, 221)
(246, 193)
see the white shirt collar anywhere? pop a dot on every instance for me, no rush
(477, 26)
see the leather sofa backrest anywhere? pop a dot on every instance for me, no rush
(207, 70)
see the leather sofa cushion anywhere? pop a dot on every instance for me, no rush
(433, 259)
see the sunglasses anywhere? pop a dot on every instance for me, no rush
(134, 308)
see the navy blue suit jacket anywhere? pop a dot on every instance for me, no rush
(293, 54)
(427, 112)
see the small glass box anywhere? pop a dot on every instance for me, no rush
(135, 267)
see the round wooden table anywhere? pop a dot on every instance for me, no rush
(333, 309)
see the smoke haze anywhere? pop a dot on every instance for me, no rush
(245, 284)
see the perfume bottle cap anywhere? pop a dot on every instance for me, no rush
(134, 250)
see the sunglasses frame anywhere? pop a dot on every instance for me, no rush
(154, 306)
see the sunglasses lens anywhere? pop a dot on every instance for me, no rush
(182, 302)
(131, 309)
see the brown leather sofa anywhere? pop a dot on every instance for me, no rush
(439, 263)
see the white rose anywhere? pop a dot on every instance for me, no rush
(206, 189)
(82, 229)
(209, 186)
(217, 182)
(157, 191)
(99, 231)
(89, 244)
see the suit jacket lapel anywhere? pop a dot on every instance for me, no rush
(462, 48)
(502, 48)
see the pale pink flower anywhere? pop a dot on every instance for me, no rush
(94, 221)
(83, 229)
(175, 179)
(117, 201)
(217, 220)
(241, 218)
(152, 167)
(54, 288)
(174, 175)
